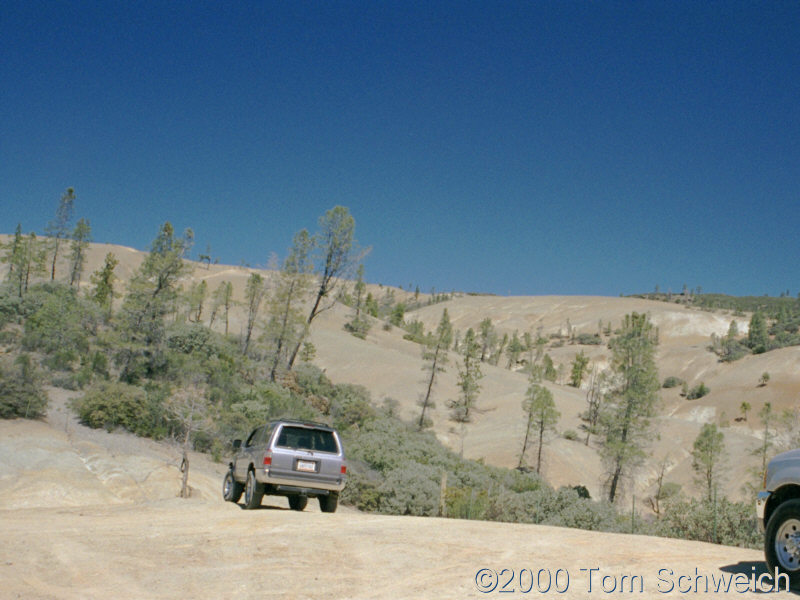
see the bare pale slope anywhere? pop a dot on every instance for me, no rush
(90, 515)
(391, 367)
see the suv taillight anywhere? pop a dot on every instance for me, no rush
(344, 469)
(267, 459)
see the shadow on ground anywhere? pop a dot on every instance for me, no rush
(753, 570)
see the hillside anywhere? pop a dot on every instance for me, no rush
(390, 367)
(93, 515)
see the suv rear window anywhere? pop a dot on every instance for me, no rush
(302, 438)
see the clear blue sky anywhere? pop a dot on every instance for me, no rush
(508, 147)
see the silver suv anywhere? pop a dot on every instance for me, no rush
(296, 459)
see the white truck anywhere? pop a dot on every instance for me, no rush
(778, 512)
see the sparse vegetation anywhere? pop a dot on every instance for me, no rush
(697, 391)
(143, 365)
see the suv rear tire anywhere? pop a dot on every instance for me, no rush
(253, 491)
(298, 502)
(328, 504)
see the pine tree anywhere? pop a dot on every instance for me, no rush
(286, 325)
(336, 243)
(253, 294)
(708, 454)
(81, 236)
(358, 325)
(541, 413)
(515, 348)
(629, 410)
(767, 417)
(58, 228)
(14, 258)
(594, 399)
(195, 300)
(488, 338)
(103, 281)
(30, 262)
(578, 368)
(221, 299)
(152, 293)
(435, 352)
(757, 336)
(469, 376)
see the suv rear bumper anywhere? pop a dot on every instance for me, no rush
(329, 484)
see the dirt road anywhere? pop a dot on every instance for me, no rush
(204, 549)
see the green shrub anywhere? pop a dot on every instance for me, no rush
(312, 381)
(21, 394)
(588, 339)
(351, 406)
(467, 503)
(697, 391)
(672, 382)
(413, 489)
(111, 404)
(59, 324)
(416, 331)
(733, 522)
(257, 404)
(358, 327)
(10, 307)
(362, 489)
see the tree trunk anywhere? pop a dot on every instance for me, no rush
(185, 466)
(430, 387)
(525, 443)
(541, 443)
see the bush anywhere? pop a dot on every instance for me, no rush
(312, 381)
(110, 405)
(588, 339)
(358, 327)
(10, 307)
(260, 403)
(21, 394)
(697, 391)
(571, 435)
(413, 489)
(351, 406)
(672, 382)
(695, 520)
(59, 324)
(362, 489)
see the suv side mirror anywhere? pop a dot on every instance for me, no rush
(237, 444)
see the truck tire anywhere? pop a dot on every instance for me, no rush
(782, 541)
(253, 491)
(298, 502)
(328, 504)
(231, 489)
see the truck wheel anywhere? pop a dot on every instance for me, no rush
(298, 502)
(253, 491)
(782, 541)
(329, 503)
(231, 489)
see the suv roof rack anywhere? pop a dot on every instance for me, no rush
(307, 423)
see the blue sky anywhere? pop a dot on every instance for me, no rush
(505, 147)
